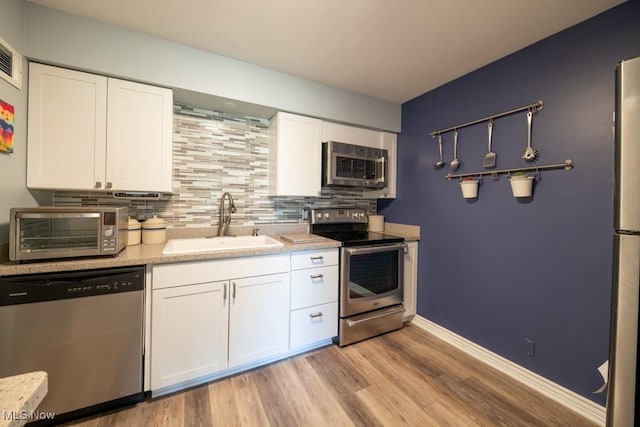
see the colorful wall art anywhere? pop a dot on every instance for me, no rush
(6, 127)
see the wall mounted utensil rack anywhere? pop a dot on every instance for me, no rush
(567, 165)
(535, 107)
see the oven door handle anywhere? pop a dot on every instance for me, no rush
(373, 249)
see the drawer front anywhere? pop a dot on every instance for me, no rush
(193, 272)
(314, 286)
(309, 325)
(316, 258)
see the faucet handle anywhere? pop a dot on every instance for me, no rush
(255, 231)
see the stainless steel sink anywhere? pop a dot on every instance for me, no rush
(203, 244)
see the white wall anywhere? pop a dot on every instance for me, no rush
(59, 38)
(13, 191)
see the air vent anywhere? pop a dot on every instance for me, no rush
(136, 195)
(10, 64)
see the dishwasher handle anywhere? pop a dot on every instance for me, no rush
(7, 281)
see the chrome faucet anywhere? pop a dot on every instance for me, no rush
(225, 219)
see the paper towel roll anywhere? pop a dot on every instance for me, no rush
(376, 222)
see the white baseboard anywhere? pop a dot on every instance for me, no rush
(575, 402)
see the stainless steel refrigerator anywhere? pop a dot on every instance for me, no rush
(623, 358)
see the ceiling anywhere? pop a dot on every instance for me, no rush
(391, 50)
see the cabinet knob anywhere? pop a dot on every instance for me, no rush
(109, 185)
(98, 184)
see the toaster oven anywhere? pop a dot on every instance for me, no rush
(66, 232)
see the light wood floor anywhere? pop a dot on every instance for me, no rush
(407, 377)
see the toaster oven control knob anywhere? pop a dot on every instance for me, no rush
(108, 232)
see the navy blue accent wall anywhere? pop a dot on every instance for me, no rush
(498, 270)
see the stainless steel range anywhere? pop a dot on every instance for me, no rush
(371, 274)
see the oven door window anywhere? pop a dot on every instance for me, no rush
(373, 274)
(58, 232)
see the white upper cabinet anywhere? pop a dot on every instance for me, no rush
(368, 138)
(139, 136)
(90, 132)
(294, 155)
(67, 128)
(389, 142)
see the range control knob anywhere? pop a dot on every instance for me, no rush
(327, 215)
(361, 214)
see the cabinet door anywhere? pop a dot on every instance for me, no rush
(410, 280)
(66, 129)
(295, 155)
(139, 136)
(259, 318)
(189, 327)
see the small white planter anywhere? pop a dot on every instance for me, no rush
(521, 185)
(469, 188)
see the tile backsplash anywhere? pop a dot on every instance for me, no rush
(216, 152)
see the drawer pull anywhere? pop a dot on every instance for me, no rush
(314, 316)
(318, 258)
(316, 276)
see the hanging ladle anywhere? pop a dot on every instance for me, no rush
(455, 163)
(440, 163)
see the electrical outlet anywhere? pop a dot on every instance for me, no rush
(529, 347)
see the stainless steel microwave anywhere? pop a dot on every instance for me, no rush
(349, 165)
(66, 232)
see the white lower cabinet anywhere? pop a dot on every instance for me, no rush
(190, 325)
(410, 280)
(259, 318)
(217, 317)
(314, 296)
(313, 324)
(202, 323)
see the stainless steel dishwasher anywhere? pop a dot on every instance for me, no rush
(84, 328)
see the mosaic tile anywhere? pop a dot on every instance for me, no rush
(214, 152)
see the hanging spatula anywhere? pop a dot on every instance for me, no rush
(490, 157)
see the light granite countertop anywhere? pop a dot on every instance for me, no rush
(20, 396)
(152, 254)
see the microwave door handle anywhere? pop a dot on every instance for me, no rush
(380, 175)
